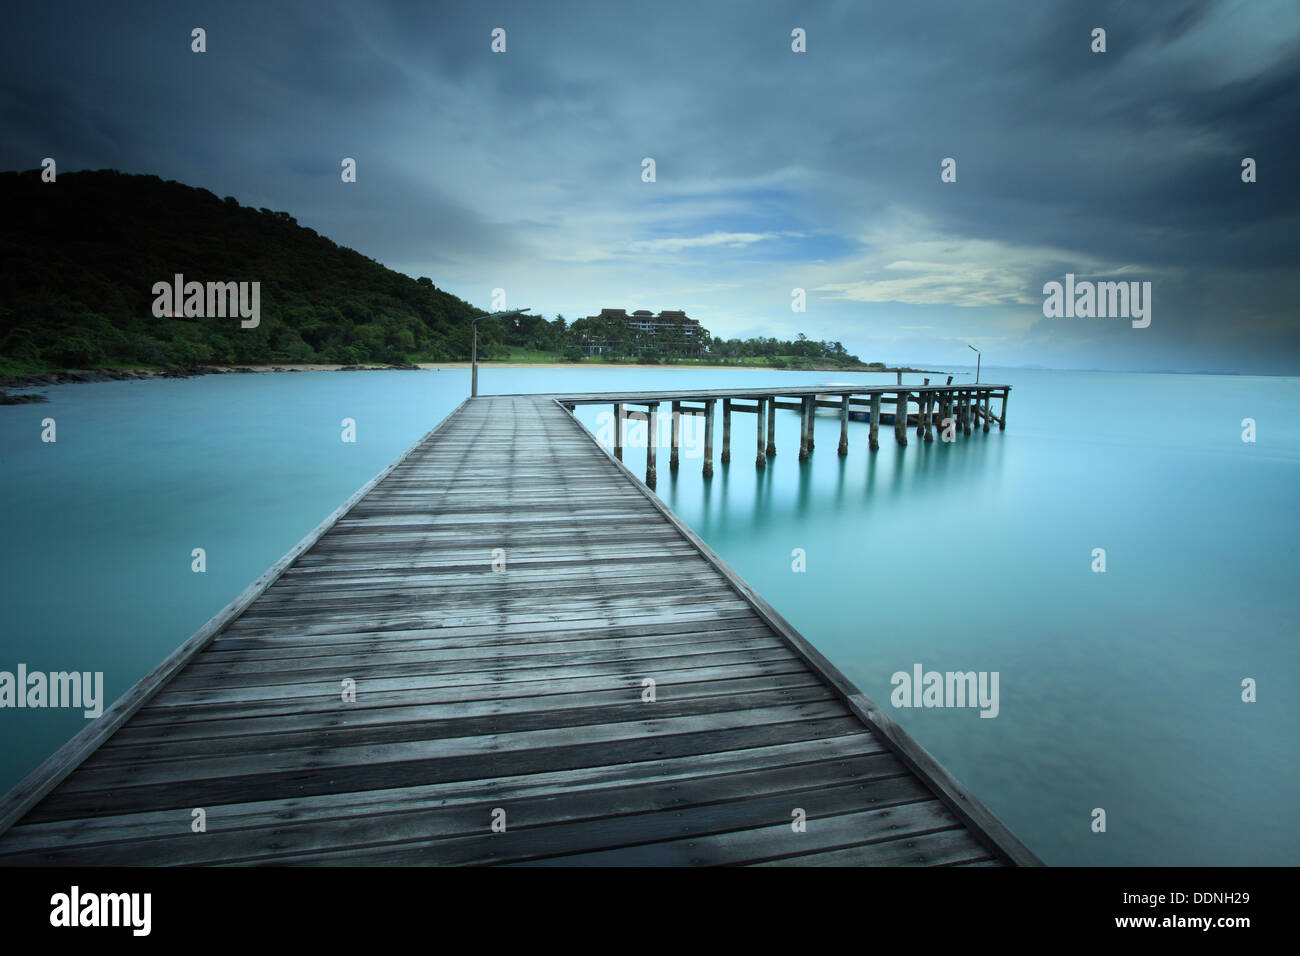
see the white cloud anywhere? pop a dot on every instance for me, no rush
(906, 260)
(675, 244)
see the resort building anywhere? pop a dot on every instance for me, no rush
(673, 329)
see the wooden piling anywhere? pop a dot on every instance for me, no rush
(726, 431)
(620, 413)
(968, 407)
(873, 440)
(844, 425)
(771, 426)
(708, 437)
(676, 437)
(803, 428)
(812, 423)
(652, 442)
(760, 451)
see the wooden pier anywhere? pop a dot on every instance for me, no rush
(503, 649)
(946, 410)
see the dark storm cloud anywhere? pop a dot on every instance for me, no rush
(818, 170)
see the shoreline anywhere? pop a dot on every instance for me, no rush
(82, 376)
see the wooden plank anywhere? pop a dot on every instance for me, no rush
(173, 711)
(711, 796)
(700, 395)
(778, 841)
(118, 827)
(137, 732)
(334, 806)
(939, 848)
(742, 831)
(447, 721)
(182, 794)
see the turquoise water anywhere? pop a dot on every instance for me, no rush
(1119, 690)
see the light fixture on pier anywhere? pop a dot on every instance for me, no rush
(473, 355)
(977, 361)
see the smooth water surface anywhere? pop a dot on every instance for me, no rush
(1118, 690)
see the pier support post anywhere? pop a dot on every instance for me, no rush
(620, 414)
(988, 398)
(652, 442)
(900, 419)
(771, 426)
(873, 441)
(803, 428)
(930, 401)
(708, 437)
(922, 406)
(965, 412)
(1002, 419)
(844, 425)
(760, 455)
(812, 423)
(677, 436)
(726, 431)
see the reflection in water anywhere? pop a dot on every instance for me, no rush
(975, 555)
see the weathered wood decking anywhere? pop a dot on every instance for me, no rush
(479, 689)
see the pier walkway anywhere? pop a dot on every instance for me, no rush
(503, 649)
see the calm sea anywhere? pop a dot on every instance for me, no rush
(1119, 690)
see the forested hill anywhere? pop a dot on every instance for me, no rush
(79, 258)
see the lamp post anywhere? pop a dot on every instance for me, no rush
(977, 362)
(473, 355)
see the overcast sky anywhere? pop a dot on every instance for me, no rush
(775, 170)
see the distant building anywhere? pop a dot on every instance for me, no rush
(679, 330)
